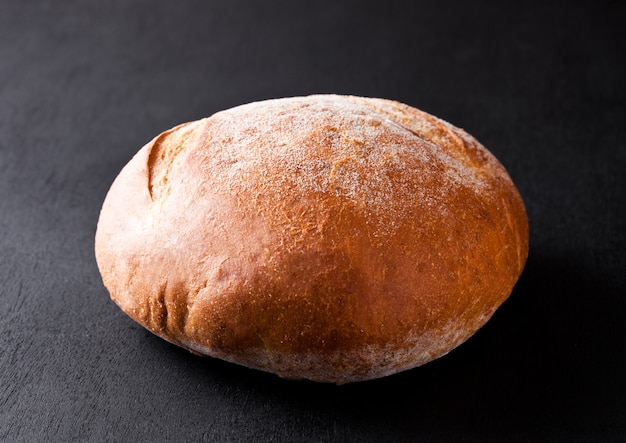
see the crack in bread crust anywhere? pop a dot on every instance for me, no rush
(165, 148)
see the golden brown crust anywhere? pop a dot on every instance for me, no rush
(327, 237)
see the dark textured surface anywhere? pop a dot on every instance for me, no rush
(83, 85)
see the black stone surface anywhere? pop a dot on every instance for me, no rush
(84, 84)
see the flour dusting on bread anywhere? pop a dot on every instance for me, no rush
(330, 238)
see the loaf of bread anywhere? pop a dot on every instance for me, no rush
(330, 238)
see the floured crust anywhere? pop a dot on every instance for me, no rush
(327, 237)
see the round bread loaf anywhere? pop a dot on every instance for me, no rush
(330, 238)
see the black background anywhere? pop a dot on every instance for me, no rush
(84, 84)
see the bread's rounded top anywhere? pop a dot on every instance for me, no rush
(310, 236)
